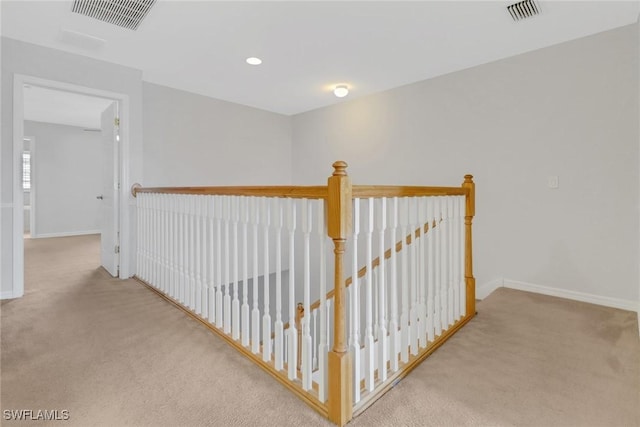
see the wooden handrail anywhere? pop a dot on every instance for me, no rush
(309, 192)
(306, 192)
(369, 191)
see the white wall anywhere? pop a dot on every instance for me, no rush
(569, 110)
(67, 178)
(37, 61)
(194, 140)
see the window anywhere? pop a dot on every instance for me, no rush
(26, 170)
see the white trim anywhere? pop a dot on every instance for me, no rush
(18, 134)
(18, 191)
(6, 295)
(485, 290)
(572, 295)
(6, 206)
(65, 234)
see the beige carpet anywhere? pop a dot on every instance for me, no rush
(115, 354)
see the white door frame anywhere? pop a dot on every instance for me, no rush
(19, 81)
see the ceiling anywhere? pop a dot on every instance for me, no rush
(66, 108)
(308, 47)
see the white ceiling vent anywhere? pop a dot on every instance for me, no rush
(124, 13)
(524, 9)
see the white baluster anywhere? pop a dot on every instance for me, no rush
(187, 280)
(266, 317)
(211, 263)
(158, 280)
(147, 237)
(422, 282)
(204, 295)
(176, 246)
(368, 333)
(374, 293)
(235, 304)
(394, 337)
(383, 344)
(197, 254)
(314, 335)
(152, 239)
(461, 254)
(161, 237)
(413, 311)
(453, 262)
(430, 270)
(245, 272)
(444, 271)
(453, 294)
(158, 227)
(141, 235)
(166, 267)
(219, 209)
(404, 316)
(168, 244)
(149, 232)
(226, 219)
(193, 254)
(437, 317)
(306, 326)
(323, 348)
(255, 312)
(168, 247)
(181, 240)
(354, 339)
(292, 338)
(279, 339)
(445, 262)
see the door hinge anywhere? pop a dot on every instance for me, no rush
(117, 249)
(116, 121)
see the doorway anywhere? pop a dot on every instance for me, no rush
(115, 215)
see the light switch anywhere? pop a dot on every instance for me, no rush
(553, 181)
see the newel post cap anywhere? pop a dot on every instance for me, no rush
(134, 189)
(340, 168)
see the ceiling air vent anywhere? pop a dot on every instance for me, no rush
(123, 13)
(524, 9)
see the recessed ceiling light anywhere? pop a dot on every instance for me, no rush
(254, 61)
(341, 91)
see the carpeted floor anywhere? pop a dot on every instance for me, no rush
(113, 353)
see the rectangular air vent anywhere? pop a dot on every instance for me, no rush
(123, 13)
(524, 9)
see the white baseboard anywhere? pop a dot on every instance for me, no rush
(485, 290)
(572, 295)
(65, 234)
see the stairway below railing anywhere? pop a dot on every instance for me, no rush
(247, 262)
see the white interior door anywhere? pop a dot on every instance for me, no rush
(109, 238)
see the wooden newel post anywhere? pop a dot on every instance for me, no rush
(470, 211)
(339, 207)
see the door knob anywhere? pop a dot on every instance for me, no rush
(99, 197)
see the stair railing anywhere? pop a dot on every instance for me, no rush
(238, 258)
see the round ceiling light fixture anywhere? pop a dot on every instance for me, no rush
(254, 61)
(341, 91)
